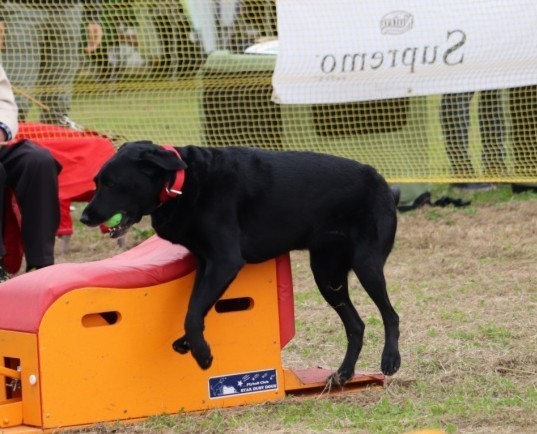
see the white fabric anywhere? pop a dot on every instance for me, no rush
(350, 50)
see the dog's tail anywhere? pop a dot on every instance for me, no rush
(387, 228)
(396, 191)
(385, 221)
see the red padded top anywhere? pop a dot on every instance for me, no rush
(25, 299)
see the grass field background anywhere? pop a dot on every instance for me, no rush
(464, 283)
(170, 112)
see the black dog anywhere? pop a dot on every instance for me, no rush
(241, 205)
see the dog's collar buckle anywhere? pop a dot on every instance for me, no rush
(173, 190)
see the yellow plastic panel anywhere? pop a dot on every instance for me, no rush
(94, 371)
(21, 346)
(10, 412)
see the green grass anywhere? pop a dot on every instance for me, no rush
(501, 194)
(340, 415)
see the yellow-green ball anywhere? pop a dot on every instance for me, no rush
(114, 220)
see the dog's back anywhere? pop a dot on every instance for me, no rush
(287, 200)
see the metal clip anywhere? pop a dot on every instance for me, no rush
(177, 192)
(15, 383)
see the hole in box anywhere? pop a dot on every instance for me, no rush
(234, 304)
(101, 319)
(12, 386)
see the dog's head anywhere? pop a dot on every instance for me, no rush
(130, 183)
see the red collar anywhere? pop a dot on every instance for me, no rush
(173, 190)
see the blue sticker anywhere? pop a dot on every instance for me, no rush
(238, 384)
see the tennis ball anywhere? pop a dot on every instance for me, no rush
(114, 220)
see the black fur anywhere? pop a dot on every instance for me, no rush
(242, 205)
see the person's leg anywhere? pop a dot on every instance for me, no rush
(164, 34)
(492, 128)
(21, 53)
(523, 111)
(455, 120)
(61, 60)
(4, 275)
(2, 208)
(32, 173)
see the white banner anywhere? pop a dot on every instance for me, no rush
(333, 51)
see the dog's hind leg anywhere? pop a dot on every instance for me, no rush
(330, 264)
(368, 264)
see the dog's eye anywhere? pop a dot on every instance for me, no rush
(107, 183)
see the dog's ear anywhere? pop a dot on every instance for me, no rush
(162, 158)
(136, 144)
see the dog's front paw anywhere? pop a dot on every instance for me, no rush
(203, 356)
(391, 362)
(181, 345)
